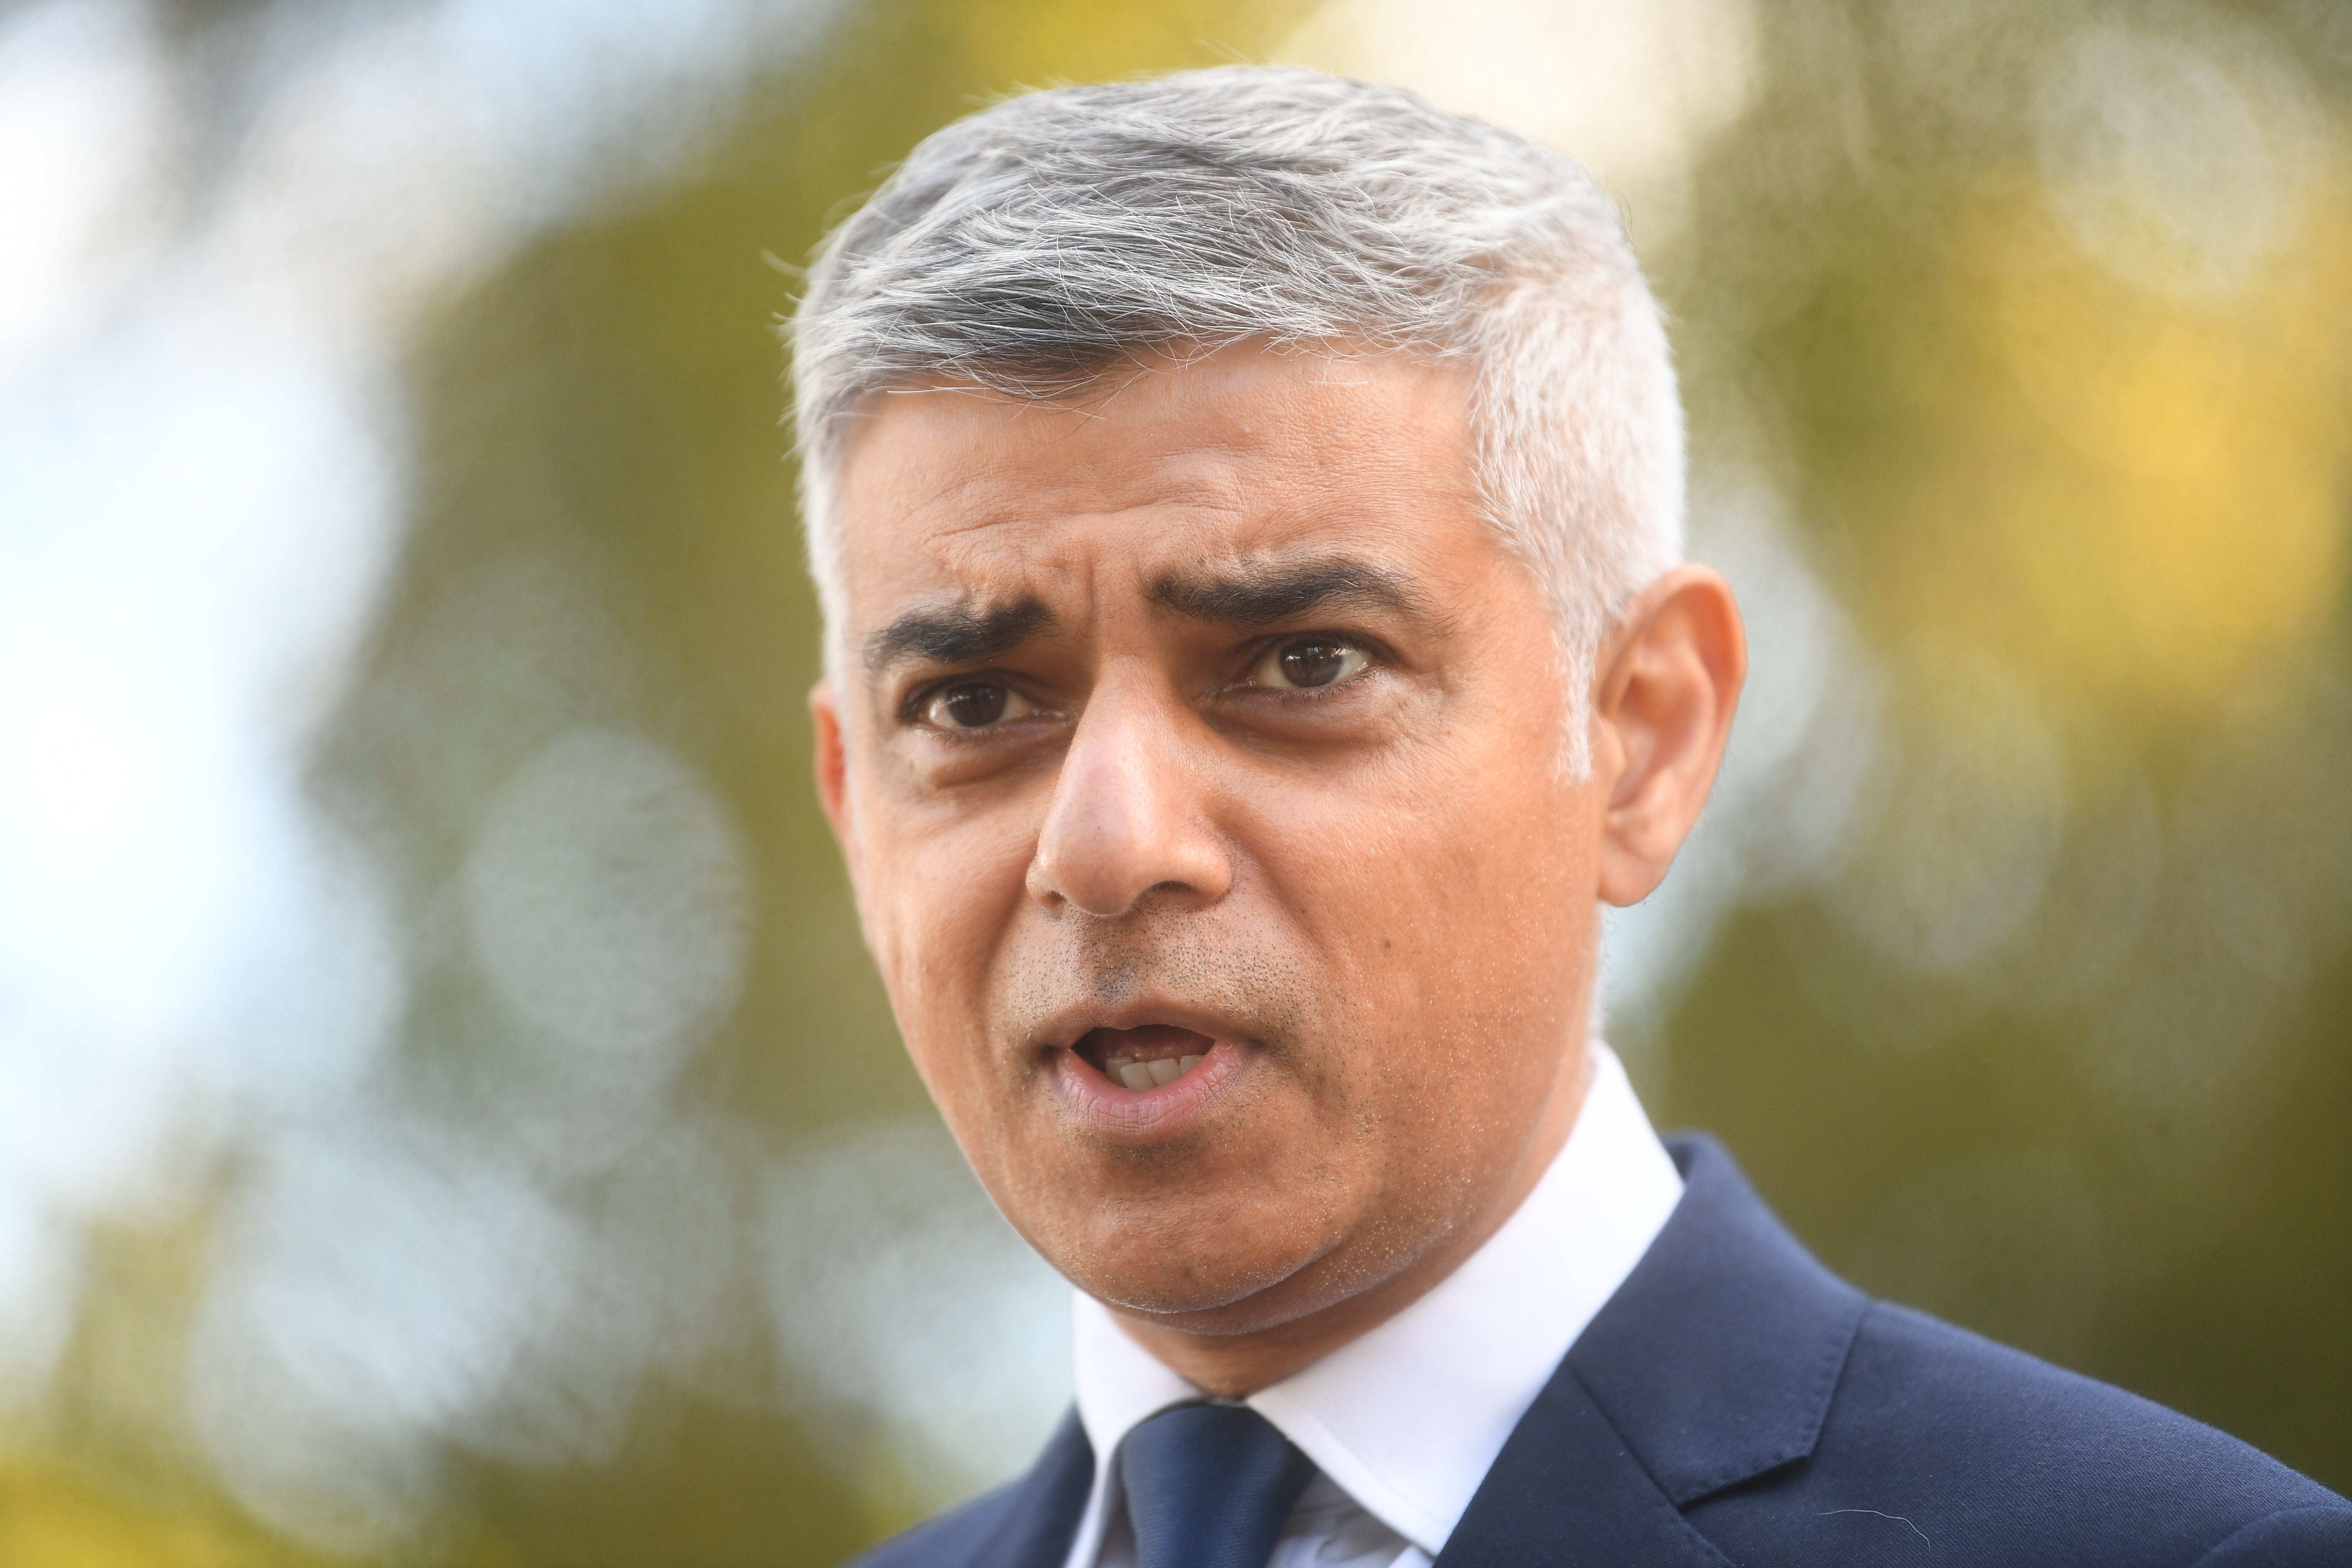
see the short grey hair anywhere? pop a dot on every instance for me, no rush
(1032, 246)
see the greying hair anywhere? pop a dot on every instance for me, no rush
(1031, 247)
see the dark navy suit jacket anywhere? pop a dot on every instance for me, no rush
(1737, 1404)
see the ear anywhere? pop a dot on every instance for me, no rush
(833, 768)
(1670, 676)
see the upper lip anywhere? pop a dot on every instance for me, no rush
(1064, 1028)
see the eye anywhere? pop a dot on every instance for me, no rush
(1306, 663)
(975, 705)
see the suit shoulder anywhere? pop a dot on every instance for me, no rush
(1937, 1437)
(2001, 1409)
(949, 1539)
(2321, 1533)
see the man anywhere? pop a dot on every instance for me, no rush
(1246, 508)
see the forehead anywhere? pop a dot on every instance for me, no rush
(1168, 466)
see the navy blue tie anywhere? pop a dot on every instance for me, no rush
(1209, 1486)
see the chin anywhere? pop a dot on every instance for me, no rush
(1189, 1307)
(1141, 1270)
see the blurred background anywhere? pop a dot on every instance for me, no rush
(447, 1114)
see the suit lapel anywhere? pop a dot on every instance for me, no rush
(1041, 1516)
(1714, 1362)
(1567, 1491)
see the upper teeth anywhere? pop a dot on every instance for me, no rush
(1140, 1075)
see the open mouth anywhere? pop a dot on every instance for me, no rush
(1151, 1057)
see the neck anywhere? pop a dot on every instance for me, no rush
(1233, 1366)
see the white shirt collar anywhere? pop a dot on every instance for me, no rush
(1409, 1418)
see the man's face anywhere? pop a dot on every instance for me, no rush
(1199, 769)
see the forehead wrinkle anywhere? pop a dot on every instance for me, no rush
(1047, 553)
(1011, 503)
(1058, 506)
(1009, 468)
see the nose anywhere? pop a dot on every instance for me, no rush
(1127, 814)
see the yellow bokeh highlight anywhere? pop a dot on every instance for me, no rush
(53, 1518)
(2135, 497)
(2208, 518)
(1034, 43)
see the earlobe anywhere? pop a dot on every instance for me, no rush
(1662, 708)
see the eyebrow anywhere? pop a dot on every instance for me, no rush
(955, 634)
(1251, 598)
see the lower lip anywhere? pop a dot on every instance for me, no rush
(1140, 1115)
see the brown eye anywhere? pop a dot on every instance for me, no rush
(1308, 663)
(1313, 663)
(975, 705)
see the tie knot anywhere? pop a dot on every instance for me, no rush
(1209, 1486)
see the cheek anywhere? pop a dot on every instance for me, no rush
(1451, 883)
(1453, 913)
(938, 900)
